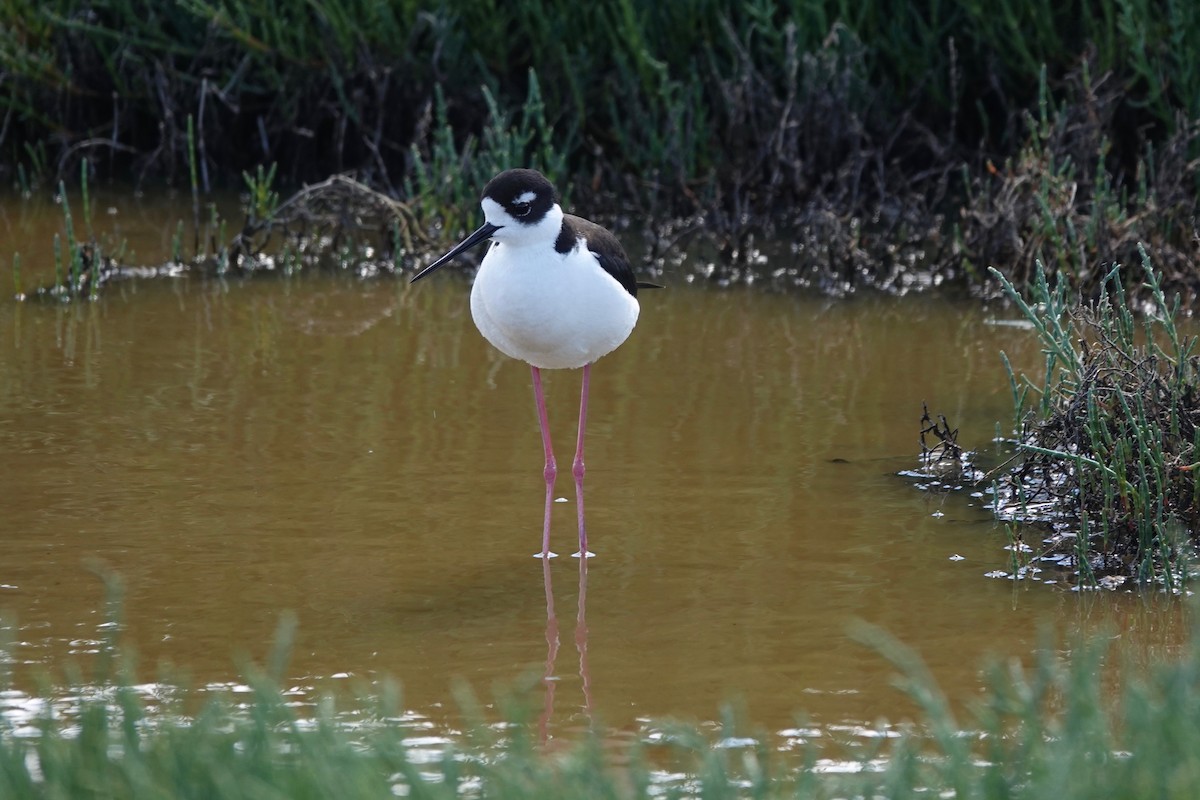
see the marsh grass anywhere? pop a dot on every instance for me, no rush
(1066, 199)
(335, 225)
(447, 174)
(856, 128)
(81, 262)
(350, 82)
(1108, 433)
(1064, 725)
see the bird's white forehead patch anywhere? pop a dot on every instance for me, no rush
(526, 197)
(491, 209)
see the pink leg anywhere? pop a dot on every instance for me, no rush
(577, 468)
(551, 469)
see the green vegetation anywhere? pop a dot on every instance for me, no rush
(1042, 731)
(83, 265)
(1062, 199)
(1109, 436)
(884, 138)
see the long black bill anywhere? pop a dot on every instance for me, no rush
(485, 231)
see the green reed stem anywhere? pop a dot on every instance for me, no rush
(58, 262)
(87, 205)
(73, 250)
(195, 182)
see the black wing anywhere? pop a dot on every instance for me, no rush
(602, 244)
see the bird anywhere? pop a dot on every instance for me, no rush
(553, 290)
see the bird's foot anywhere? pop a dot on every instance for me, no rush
(546, 554)
(590, 554)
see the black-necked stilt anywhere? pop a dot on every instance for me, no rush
(553, 290)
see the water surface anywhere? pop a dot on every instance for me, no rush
(354, 452)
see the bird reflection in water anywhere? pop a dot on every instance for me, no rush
(549, 678)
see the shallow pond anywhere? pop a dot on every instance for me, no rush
(354, 452)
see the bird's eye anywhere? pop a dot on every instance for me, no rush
(521, 209)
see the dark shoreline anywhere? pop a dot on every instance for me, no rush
(898, 145)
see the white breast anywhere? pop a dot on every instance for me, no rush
(551, 310)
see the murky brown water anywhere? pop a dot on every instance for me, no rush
(355, 452)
